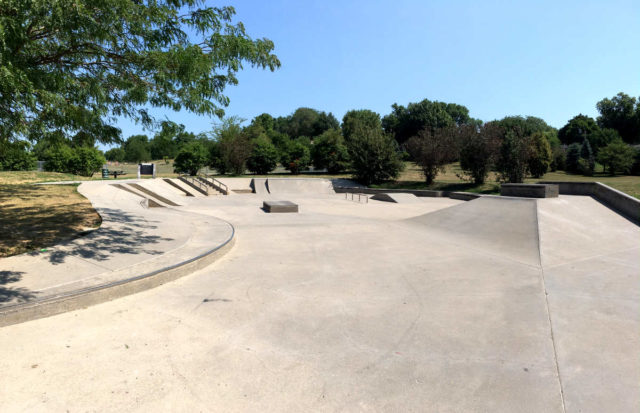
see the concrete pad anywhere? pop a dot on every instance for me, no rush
(443, 305)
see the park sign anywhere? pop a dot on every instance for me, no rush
(146, 169)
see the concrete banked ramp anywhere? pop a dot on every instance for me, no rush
(300, 186)
(504, 227)
(398, 198)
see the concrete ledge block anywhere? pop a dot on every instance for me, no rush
(279, 206)
(530, 190)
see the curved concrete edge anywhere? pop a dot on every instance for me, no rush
(463, 196)
(83, 298)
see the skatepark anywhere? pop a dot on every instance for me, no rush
(191, 299)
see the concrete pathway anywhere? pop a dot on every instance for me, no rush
(361, 307)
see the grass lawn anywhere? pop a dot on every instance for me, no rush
(39, 216)
(412, 178)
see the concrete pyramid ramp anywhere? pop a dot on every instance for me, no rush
(259, 185)
(499, 226)
(300, 185)
(398, 198)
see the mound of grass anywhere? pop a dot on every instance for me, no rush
(39, 216)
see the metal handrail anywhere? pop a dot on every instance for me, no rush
(365, 196)
(196, 182)
(217, 184)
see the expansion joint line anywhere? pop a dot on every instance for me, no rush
(546, 302)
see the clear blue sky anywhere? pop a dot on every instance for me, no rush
(551, 59)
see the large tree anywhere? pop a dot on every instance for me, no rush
(622, 113)
(75, 65)
(406, 122)
(360, 118)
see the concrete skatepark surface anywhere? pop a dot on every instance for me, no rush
(444, 305)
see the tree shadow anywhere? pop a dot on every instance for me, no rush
(13, 294)
(121, 233)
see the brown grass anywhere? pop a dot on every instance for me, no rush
(33, 217)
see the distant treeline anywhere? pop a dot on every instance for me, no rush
(372, 147)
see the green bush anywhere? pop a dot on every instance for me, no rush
(373, 156)
(191, 158)
(330, 152)
(296, 156)
(16, 156)
(86, 161)
(558, 159)
(587, 163)
(515, 152)
(573, 158)
(540, 155)
(635, 168)
(264, 156)
(58, 158)
(617, 157)
(479, 149)
(115, 155)
(83, 160)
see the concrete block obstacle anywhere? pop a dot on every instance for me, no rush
(279, 206)
(530, 190)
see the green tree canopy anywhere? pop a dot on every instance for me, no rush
(75, 65)
(405, 122)
(622, 113)
(136, 149)
(577, 129)
(362, 118)
(309, 122)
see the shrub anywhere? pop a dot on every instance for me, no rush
(330, 152)
(190, 158)
(573, 158)
(115, 155)
(296, 156)
(558, 159)
(58, 158)
(635, 168)
(433, 150)
(85, 161)
(479, 150)
(540, 155)
(515, 152)
(82, 160)
(264, 156)
(16, 156)
(617, 157)
(587, 163)
(373, 156)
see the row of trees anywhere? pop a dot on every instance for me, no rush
(430, 133)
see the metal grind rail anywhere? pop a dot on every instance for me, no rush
(356, 197)
(216, 184)
(196, 183)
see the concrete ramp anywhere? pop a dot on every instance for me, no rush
(502, 226)
(300, 186)
(259, 185)
(398, 198)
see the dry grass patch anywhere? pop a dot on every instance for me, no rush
(38, 216)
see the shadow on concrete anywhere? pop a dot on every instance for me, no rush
(13, 294)
(121, 233)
